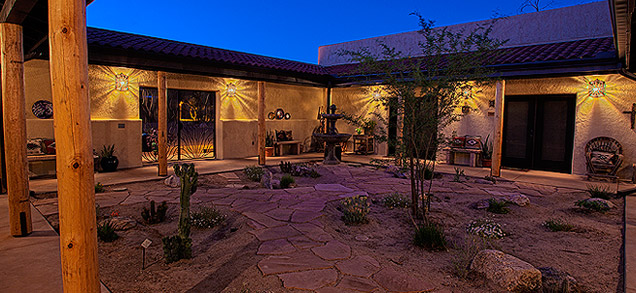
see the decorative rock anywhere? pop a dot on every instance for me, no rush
(554, 280)
(333, 250)
(172, 181)
(309, 280)
(481, 205)
(120, 223)
(361, 266)
(362, 238)
(518, 199)
(266, 179)
(601, 201)
(507, 271)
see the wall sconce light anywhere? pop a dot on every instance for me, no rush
(491, 103)
(596, 88)
(231, 90)
(376, 95)
(466, 109)
(121, 82)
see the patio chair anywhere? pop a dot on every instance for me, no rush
(604, 157)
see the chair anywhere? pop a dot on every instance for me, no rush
(604, 157)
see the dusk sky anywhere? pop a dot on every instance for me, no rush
(287, 29)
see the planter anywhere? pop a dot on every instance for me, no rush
(109, 164)
(486, 162)
(269, 151)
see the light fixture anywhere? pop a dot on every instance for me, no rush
(466, 108)
(231, 90)
(596, 88)
(376, 95)
(121, 82)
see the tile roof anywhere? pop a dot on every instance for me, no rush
(600, 48)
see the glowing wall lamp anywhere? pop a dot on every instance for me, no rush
(596, 88)
(376, 95)
(231, 90)
(121, 82)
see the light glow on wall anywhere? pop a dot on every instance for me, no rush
(596, 88)
(230, 90)
(121, 82)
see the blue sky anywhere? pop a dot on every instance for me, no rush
(287, 29)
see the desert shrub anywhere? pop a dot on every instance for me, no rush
(464, 253)
(286, 167)
(485, 228)
(355, 210)
(430, 236)
(314, 174)
(286, 181)
(599, 191)
(498, 206)
(176, 248)
(459, 173)
(556, 225)
(207, 218)
(254, 173)
(491, 179)
(106, 232)
(596, 206)
(152, 215)
(99, 187)
(396, 200)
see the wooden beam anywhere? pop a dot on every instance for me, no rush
(262, 130)
(500, 97)
(162, 127)
(73, 137)
(15, 134)
(15, 11)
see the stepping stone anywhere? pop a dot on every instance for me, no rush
(48, 209)
(255, 225)
(275, 233)
(309, 280)
(263, 220)
(333, 250)
(280, 246)
(303, 242)
(134, 199)
(334, 290)
(313, 232)
(332, 187)
(280, 214)
(531, 192)
(294, 262)
(304, 216)
(229, 175)
(110, 199)
(393, 281)
(362, 266)
(224, 201)
(235, 186)
(357, 283)
(314, 205)
(243, 206)
(178, 200)
(352, 194)
(159, 193)
(300, 190)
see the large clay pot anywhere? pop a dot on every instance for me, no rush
(109, 164)
(486, 162)
(269, 151)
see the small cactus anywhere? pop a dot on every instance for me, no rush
(152, 215)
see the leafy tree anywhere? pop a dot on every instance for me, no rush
(425, 92)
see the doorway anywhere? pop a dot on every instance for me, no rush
(538, 132)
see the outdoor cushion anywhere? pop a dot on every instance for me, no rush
(604, 158)
(48, 146)
(472, 142)
(458, 142)
(34, 147)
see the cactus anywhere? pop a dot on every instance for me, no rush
(180, 245)
(152, 215)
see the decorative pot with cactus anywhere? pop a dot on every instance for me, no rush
(108, 161)
(486, 153)
(269, 144)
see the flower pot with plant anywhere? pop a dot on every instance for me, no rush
(269, 144)
(108, 161)
(486, 153)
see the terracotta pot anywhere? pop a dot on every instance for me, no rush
(486, 162)
(269, 151)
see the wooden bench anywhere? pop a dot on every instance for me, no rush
(452, 152)
(37, 158)
(293, 150)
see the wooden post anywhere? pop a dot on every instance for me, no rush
(162, 128)
(73, 138)
(15, 128)
(495, 168)
(261, 123)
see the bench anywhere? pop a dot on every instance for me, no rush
(294, 148)
(451, 156)
(37, 158)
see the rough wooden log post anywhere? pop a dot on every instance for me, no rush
(495, 168)
(162, 128)
(15, 128)
(261, 123)
(73, 137)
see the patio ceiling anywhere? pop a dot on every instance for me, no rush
(621, 11)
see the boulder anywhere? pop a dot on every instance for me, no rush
(266, 179)
(518, 199)
(554, 280)
(601, 201)
(507, 271)
(172, 181)
(481, 205)
(120, 223)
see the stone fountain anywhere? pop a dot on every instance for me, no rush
(331, 137)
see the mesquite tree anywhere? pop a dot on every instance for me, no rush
(425, 92)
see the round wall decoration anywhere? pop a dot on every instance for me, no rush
(287, 116)
(280, 114)
(42, 109)
(271, 115)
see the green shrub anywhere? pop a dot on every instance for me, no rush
(355, 210)
(599, 191)
(314, 174)
(254, 173)
(207, 218)
(497, 206)
(99, 187)
(459, 173)
(152, 215)
(556, 225)
(286, 181)
(486, 228)
(593, 205)
(396, 200)
(430, 236)
(176, 248)
(106, 232)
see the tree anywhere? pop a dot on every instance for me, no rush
(535, 5)
(425, 93)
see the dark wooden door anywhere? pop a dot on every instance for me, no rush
(539, 132)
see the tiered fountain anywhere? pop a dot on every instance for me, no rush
(331, 137)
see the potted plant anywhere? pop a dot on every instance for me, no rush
(269, 144)
(369, 126)
(108, 161)
(486, 153)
